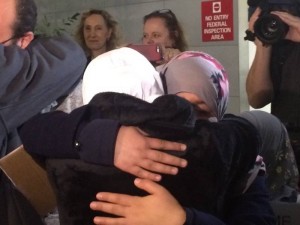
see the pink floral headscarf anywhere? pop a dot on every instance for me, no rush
(201, 74)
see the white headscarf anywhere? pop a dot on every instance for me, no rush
(122, 70)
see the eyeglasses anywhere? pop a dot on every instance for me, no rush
(165, 12)
(9, 39)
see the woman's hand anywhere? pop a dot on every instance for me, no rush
(169, 53)
(159, 207)
(146, 157)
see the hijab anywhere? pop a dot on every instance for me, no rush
(122, 70)
(198, 73)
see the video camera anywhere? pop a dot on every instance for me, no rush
(269, 28)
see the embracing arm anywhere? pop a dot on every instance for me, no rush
(86, 135)
(251, 208)
(80, 134)
(34, 77)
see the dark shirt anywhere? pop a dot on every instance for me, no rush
(285, 76)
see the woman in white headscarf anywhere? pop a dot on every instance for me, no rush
(202, 80)
(122, 70)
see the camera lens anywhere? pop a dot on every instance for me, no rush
(270, 28)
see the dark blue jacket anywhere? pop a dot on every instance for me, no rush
(33, 78)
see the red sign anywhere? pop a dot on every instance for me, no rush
(217, 20)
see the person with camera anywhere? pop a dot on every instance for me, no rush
(274, 76)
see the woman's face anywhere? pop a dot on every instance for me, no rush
(156, 32)
(201, 108)
(96, 33)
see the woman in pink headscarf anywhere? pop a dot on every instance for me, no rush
(202, 80)
(199, 78)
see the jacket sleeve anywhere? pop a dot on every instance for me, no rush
(81, 134)
(250, 208)
(34, 77)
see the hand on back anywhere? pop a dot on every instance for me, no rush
(159, 207)
(144, 156)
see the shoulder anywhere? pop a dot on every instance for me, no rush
(231, 125)
(58, 45)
